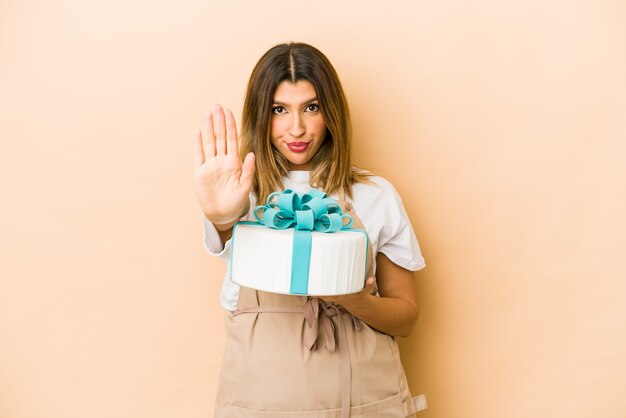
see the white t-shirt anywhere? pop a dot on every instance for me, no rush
(378, 206)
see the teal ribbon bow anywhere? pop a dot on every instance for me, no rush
(304, 212)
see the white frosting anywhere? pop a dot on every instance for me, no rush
(262, 259)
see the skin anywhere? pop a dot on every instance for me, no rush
(296, 118)
(223, 183)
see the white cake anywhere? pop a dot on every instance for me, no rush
(262, 258)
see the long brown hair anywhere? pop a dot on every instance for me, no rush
(332, 168)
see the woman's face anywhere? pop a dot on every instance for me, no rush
(297, 127)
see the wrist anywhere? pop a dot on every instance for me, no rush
(224, 224)
(360, 305)
(357, 303)
(225, 227)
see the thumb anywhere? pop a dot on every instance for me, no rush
(247, 170)
(369, 285)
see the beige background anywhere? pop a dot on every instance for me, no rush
(502, 124)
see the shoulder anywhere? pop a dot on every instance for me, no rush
(379, 206)
(377, 191)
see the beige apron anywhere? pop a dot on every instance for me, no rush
(298, 356)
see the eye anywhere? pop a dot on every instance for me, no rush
(313, 107)
(278, 110)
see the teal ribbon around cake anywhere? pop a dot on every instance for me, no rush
(304, 212)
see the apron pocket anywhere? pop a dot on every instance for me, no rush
(387, 408)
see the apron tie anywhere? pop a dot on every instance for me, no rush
(318, 314)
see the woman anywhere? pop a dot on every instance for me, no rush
(281, 360)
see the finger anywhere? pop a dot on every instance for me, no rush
(369, 286)
(232, 148)
(198, 152)
(220, 130)
(247, 171)
(208, 136)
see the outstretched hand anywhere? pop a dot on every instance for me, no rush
(222, 182)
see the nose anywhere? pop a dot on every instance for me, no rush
(296, 127)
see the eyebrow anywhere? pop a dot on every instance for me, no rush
(305, 102)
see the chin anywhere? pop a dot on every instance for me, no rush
(300, 164)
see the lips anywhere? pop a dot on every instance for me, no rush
(298, 146)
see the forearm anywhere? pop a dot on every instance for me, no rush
(393, 316)
(395, 311)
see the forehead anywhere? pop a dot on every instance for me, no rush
(290, 93)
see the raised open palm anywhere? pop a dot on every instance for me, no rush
(222, 182)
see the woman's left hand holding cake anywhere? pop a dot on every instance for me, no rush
(353, 300)
(222, 182)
